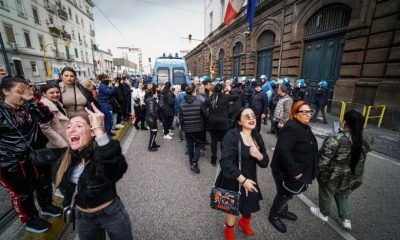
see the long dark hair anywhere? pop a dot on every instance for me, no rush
(355, 121)
(217, 91)
(48, 86)
(166, 88)
(254, 134)
(9, 82)
(68, 69)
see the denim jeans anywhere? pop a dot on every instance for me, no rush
(113, 219)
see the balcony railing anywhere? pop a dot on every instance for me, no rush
(66, 36)
(50, 6)
(55, 31)
(62, 14)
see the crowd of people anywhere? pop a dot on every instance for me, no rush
(76, 120)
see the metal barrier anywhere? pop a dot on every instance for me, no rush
(363, 107)
(380, 116)
(342, 107)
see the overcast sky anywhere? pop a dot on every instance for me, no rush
(148, 25)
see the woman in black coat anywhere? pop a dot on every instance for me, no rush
(216, 110)
(152, 116)
(167, 105)
(248, 141)
(87, 176)
(294, 164)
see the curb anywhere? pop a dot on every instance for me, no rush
(58, 227)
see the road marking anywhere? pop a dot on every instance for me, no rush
(385, 158)
(346, 235)
(128, 142)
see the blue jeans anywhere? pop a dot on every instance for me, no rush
(106, 109)
(113, 219)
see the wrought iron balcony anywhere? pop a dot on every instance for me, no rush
(54, 31)
(62, 14)
(50, 6)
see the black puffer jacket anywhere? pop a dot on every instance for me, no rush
(216, 110)
(238, 103)
(152, 110)
(247, 95)
(259, 103)
(167, 104)
(190, 115)
(12, 147)
(96, 185)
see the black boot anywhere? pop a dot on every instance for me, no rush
(151, 147)
(155, 145)
(194, 168)
(214, 161)
(277, 223)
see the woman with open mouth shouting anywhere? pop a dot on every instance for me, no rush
(87, 176)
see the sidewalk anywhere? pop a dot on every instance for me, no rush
(16, 230)
(387, 141)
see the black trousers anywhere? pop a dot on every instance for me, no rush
(258, 123)
(194, 142)
(322, 109)
(216, 136)
(153, 135)
(22, 182)
(140, 115)
(167, 123)
(280, 203)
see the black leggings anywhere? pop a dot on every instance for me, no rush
(216, 136)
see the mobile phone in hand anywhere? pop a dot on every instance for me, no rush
(336, 127)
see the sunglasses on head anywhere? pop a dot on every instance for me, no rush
(249, 116)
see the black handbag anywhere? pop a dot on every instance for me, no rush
(225, 200)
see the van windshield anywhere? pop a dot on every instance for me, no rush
(178, 76)
(162, 75)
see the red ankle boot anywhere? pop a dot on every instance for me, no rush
(244, 223)
(229, 233)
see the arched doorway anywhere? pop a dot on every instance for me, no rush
(265, 45)
(324, 43)
(221, 56)
(237, 53)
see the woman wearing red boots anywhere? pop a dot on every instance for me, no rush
(232, 176)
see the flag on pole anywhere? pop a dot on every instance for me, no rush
(232, 10)
(251, 10)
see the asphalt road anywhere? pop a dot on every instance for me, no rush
(168, 201)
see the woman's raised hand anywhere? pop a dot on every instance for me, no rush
(96, 118)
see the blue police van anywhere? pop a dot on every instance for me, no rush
(170, 69)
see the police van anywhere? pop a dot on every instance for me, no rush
(170, 69)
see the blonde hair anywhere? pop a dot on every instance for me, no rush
(66, 161)
(88, 84)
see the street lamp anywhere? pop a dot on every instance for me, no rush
(211, 67)
(46, 60)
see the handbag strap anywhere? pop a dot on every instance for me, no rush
(73, 196)
(240, 164)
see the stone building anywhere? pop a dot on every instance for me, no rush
(354, 44)
(43, 36)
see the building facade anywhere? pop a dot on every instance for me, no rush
(104, 62)
(355, 45)
(133, 55)
(43, 36)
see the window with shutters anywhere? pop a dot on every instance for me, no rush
(27, 39)
(35, 15)
(9, 33)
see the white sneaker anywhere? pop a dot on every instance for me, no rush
(316, 212)
(346, 224)
(167, 137)
(58, 193)
(171, 134)
(119, 126)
